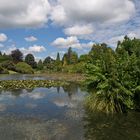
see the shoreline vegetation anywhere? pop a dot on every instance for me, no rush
(112, 77)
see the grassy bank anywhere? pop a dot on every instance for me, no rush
(71, 77)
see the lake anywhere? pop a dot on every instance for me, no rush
(59, 114)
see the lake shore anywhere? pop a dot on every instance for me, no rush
(70, 77)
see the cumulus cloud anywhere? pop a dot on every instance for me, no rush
(79, 30)
(27, 13)
(30, 39)
(72, 42)
(3, 37)
(33, 49)
(67, 42)
(92, 11)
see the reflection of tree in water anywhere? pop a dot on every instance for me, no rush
(71, 89)
(58, 89)
(29, 90)
(99, 126)
(0, 91)
(17, 92)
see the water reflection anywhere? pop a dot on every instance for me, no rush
(99, 126)
(41, 114)
(58, 114)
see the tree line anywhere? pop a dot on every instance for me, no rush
(16, 58)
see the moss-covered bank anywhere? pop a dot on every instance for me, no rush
(29, 84)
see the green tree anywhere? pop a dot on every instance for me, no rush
(58, 57)
(17, 56)
(103, 75)
(40, 65)
(49, 63)
(30, 60)
(58, 63)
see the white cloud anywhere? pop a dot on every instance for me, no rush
(72, 42)
(27, 13)
(30, 39)
(68, 42)
(33, 49)
(3, 37)
(93, 11)
(37, 48)
(79, 30)
(58, 15)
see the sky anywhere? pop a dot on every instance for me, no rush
(45, 27)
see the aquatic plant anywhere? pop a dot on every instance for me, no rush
(30, 84)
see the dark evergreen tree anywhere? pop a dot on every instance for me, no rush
(30, 60)
(58, 57)
(40, 65)
(49, 63)
(17, 56)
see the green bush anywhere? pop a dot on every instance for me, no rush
(24, 68)
(77, 68)
(9, 65)
(3, 71)
(5, 58)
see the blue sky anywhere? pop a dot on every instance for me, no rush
(45, 27)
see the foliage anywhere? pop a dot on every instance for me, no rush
(5, 58)
(49, 63)
(30, 60)
(9, 65)
(24, 68)
(3, 71)
(76, 68)
(17, 56)
(114, 76)
(29, 84)
(40, 65)
(70, 57)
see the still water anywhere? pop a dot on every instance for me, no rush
(59, 114)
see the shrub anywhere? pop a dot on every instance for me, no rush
(24, 68)
(3, 71)
(9, 65)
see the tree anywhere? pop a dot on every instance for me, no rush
(74, 58)
(103, 75)
(40, 65)
(58, 57)
(17, 56)
(58, 63)
(69, 54)
(30, 60)
(49, 63)
(65, 60)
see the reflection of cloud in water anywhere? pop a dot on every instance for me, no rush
(30, 105)
(6, 96)
(61, 102)
(36, 96)
(72, 102)
(3, 107)
(33, 95)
